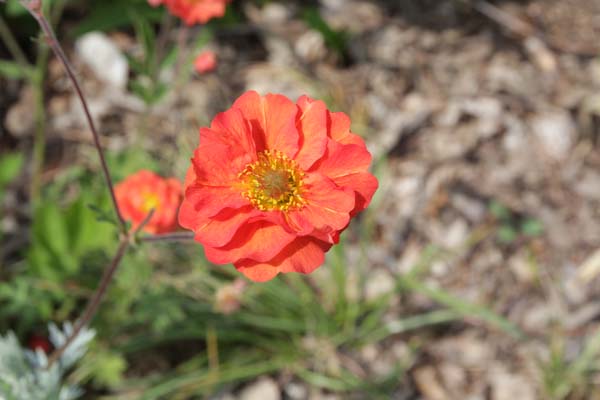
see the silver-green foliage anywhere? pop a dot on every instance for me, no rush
(24, 374)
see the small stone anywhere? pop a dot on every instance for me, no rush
(104, 58)
(556, 133)
(263, 389)
(310, 46)
(296, 391)
(19, 120)
(379, 283)
(271, 78)
(538, 317)
(456, 234)
(507, 386)
(454, 377)
(472, 208)
(275, 13)
(355, 16)
(429, 384)
(488, 111)
(523, 269)
(588, 186)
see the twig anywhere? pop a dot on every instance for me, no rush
(94, 302)
(127, 238)
(168, 237)
(35, 9)
(501, 17)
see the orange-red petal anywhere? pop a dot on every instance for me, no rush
(203, 202)
(257, 272)
(196, 11)
(364, 184)
(327, 208)
(273, 120)
(225, 149)
(259, 241)
(347, 166)
(230, 128)
(339, 129)
(221, 228)
(303, 255)
(312, 123)
(143, 191)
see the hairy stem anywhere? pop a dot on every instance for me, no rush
(93, 303)
(35, 9)
(168, 237)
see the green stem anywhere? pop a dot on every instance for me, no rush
(35, 9)
(39, 138)
(12, 44)
(466, 309)
(37, 81)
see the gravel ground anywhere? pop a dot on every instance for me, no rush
(488, 131)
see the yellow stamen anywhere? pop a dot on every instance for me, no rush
(150, 202)
(273, 182)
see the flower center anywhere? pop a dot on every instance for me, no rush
(150, 202)
(273, 182)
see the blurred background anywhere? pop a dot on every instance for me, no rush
(474, 274)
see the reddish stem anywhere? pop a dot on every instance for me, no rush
(35, 9)
(168, 237)
(94, 302)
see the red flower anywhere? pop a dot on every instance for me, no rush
(273, 183)
(144, 191)
(196, 11)
(205, 62)
(155, 3)
(39, 342)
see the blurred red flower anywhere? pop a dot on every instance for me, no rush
(143, 191)
(155, 3)
(273, 183)
(205, 62)
(195, 11)
(39, 342)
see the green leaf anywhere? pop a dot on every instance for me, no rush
(170, 59)
(12, 70)
(50, 229)
(51, 255)
(460, 306)
(107, 15)
(106, 368)
(499, 211)
(144, 33)
(14, 8)
(335, 40)
(85, 233)
(10, 166)
(507, 234)
(532, 227)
